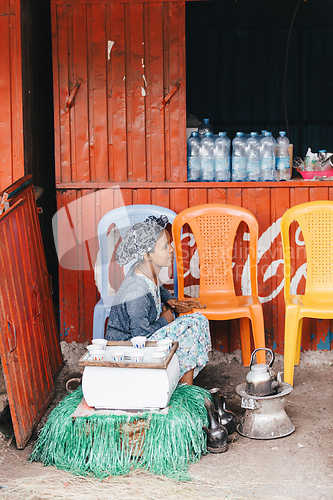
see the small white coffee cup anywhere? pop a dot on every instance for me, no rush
(139, 342)
(137, 356)
(97, 355)
(117, 356)
(165, 342)
(158, 356)
(101, 343)
(161, 348)
(91, 348)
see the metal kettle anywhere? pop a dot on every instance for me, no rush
(261, 379)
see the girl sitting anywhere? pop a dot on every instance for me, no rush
(137, 308)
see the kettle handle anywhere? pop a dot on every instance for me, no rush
(263, 349)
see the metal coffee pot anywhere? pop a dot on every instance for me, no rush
(261, 379)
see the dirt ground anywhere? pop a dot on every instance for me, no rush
(299, 466)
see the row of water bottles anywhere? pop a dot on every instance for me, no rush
(254, 157)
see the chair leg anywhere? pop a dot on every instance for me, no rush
(98, 322)
(244, 326)
(291, 334)
(258, 330)
(298, 342)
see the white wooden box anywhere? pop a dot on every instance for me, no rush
(125, 385)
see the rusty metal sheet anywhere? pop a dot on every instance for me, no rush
(24, 189)
(23, 345)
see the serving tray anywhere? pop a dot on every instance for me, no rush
(85, 361)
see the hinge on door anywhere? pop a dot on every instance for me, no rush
(4, 204)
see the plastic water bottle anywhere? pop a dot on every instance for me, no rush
(238, 163)
(282, 158)
(253, 157)
(207, 157)
(204, 127)
(267, 157)
(222, 157)
(193, 157)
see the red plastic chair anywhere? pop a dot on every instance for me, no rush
(214, 227)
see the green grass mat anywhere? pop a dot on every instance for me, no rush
(110, 445)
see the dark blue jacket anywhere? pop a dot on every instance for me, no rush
(133, 311)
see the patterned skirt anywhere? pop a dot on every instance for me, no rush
(192, 333)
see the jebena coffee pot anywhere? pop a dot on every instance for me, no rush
(261, 379)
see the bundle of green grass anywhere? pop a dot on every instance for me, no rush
(108, 445)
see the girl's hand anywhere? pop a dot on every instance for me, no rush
(185, 305)
(167, 314)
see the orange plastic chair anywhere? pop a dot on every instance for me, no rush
(316, 222)
(214, 227)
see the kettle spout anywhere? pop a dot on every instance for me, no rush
(276, 383)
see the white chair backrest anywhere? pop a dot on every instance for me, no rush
(123, 218)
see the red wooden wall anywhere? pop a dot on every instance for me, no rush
(120, 138)
(119, 84)
(267, 201)
(11, 112)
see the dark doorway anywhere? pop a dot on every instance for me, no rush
(237, 74)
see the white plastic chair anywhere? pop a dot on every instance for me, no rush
(123, 218)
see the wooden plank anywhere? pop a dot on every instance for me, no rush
(88, 294)
(135, 93)
(98, 111)
(74, 2)
(69, 295)
(143, 197)
(179, 200)
(174, 109)
(197, 185)
(161, 197)
(153, 16)
(218, 195)
(61, 63)
(117, 95)
(197, 197)
(79, 111)
(282, 204)
(11, 110)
